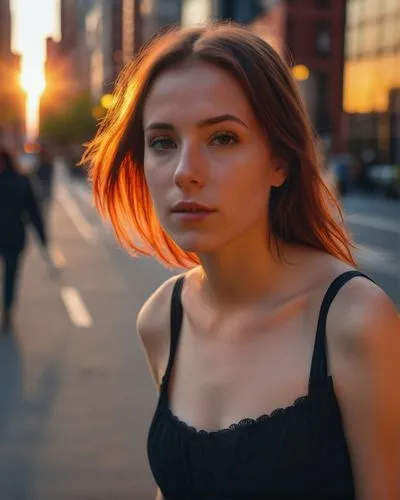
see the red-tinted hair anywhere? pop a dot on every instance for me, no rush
(300, 210)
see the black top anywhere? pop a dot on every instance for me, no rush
(18, 206)
(297, 452)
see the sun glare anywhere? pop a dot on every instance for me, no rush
(33, 83)
(32, 80)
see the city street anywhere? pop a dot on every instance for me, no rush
(75, 395)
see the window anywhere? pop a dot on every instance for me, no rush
(353, 13)
(323, 121)
(352, 43)
(227, 9)
(391, 7)
(371, 9)
(323, 39)
(389, 32)
(325, 4)
(370, 38)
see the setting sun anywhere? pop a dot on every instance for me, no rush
(29, 41)
(32, 79)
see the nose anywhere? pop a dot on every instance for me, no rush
(191, 168)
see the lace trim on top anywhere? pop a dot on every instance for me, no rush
(245, 422)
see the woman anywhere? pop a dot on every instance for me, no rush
(17, 205)
(209, 155)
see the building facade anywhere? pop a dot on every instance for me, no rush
(12, 98)
(241, 11)
(309, 34)
(143, 18)
(315, 39)
(103, 28)
(372, 79)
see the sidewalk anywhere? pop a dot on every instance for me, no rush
(74, 402)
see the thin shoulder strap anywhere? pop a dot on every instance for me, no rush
(176, 315)
(319, 364)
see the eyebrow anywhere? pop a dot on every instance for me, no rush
(204, 123)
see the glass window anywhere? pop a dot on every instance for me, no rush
(369, 36)
(323, 3)
(352, 42)
(323, 39)
(389, 33)
(370, 9)
(353, 12)
(390, 6)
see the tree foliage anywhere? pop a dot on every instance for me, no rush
(72, 123)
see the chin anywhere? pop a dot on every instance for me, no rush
(195, 242)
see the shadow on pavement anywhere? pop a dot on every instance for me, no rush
(23, 419)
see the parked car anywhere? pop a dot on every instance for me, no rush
(386, 179)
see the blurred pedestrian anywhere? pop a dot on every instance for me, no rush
(276, 360)
(44, 176)
(18, 206)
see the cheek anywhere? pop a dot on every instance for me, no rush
(246, 180)
(158, 178)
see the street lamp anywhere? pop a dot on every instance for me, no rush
(301, 72)
(107, 101)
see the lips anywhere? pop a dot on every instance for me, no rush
(191, 212)
(191, 207)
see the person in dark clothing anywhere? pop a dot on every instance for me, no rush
(44, 175)
(18, 206)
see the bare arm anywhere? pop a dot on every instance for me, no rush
(153, 331)
(153, 324)
(364, 335)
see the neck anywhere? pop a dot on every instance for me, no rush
(244, 270)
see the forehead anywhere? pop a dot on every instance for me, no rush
(195, 91)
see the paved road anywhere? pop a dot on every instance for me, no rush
(375, 226)
(75, 395)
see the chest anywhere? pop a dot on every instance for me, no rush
(296, 452)
(248, 367)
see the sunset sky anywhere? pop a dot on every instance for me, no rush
(32, 22)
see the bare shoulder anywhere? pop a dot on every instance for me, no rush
(152, 327)
(363, 330)
(154, 313)
(363, 315)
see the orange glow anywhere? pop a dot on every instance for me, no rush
(33, 82)
(367, 83)
(32, 79)
(31, 116)
(30, 29)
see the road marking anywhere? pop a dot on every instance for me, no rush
(85, 229)
(84, 193)
(374, 222)
(57, 257)
(75, 307)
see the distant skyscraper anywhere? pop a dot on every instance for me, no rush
(12, 99)
(5, 28)
(69, 10)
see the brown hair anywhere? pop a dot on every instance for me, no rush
(300, 210)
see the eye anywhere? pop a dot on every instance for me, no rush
(162, 144)
(224, 139)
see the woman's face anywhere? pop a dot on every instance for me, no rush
(206, 160)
